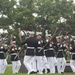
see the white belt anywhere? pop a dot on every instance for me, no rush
(73, 53)
(1, 52)
(30, 47)
(49, 49)
(39, 48)
(14, 54)
(60, 50)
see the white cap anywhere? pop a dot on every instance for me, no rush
(58, 37)
(22, 33)
(26, 32)
(38, 33)
(6, 45)
(13, 41)
(48, 35)
(74, 40)
(31, 32)
(0, 39)
(66, 37)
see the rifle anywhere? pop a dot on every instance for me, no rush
(19, 31)
(51, 39)
(3, 40)
(18, 53)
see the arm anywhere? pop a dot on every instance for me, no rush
(54, 33)
(4, 38)
(19, 30)
(11, 44)
(11, 36)
(24, 42)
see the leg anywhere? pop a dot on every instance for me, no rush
(27, 63)
(72, 62)
(63, 64)
(34, 64)
(39, 64)
(51, 64)
(59, 65)
(14, 66)
(4, 65)
(45, 65)
(55, 61)
(18, 66)
(1, 66)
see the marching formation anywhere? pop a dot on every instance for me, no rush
(42, 55)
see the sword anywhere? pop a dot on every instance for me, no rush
(43, 47)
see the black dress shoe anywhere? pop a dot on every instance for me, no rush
(35, 72)
(48, 70)
(62, 72)
(31, 72)
(43, 71)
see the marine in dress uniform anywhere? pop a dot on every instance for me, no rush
(30, 52)
(72, 61)
(49, 53)
(61, 62)
(40, 52)
(3, 61)
(16, 64)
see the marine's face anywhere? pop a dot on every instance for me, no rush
(74, 43)
(31, 35)
(0, 43)
(13, 44)
(48, 38)
(39, 36)
(58, 39)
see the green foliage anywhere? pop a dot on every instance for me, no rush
(48, 13)
(6, 9)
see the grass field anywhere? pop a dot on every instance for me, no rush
(9, 72)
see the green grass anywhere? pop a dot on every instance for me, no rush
(9, 72)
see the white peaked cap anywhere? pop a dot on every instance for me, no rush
(13, 41)
(31, 32)
(74, 40)
(26, 32)
(48, 35)
(38, 33)
(58, 37)
(66, 37)
(0, 39)
(22, 33)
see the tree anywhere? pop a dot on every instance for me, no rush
(41, 14)
(6, 11)
(50, 13)
(24, 14)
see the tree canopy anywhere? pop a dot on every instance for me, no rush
(47, 14)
